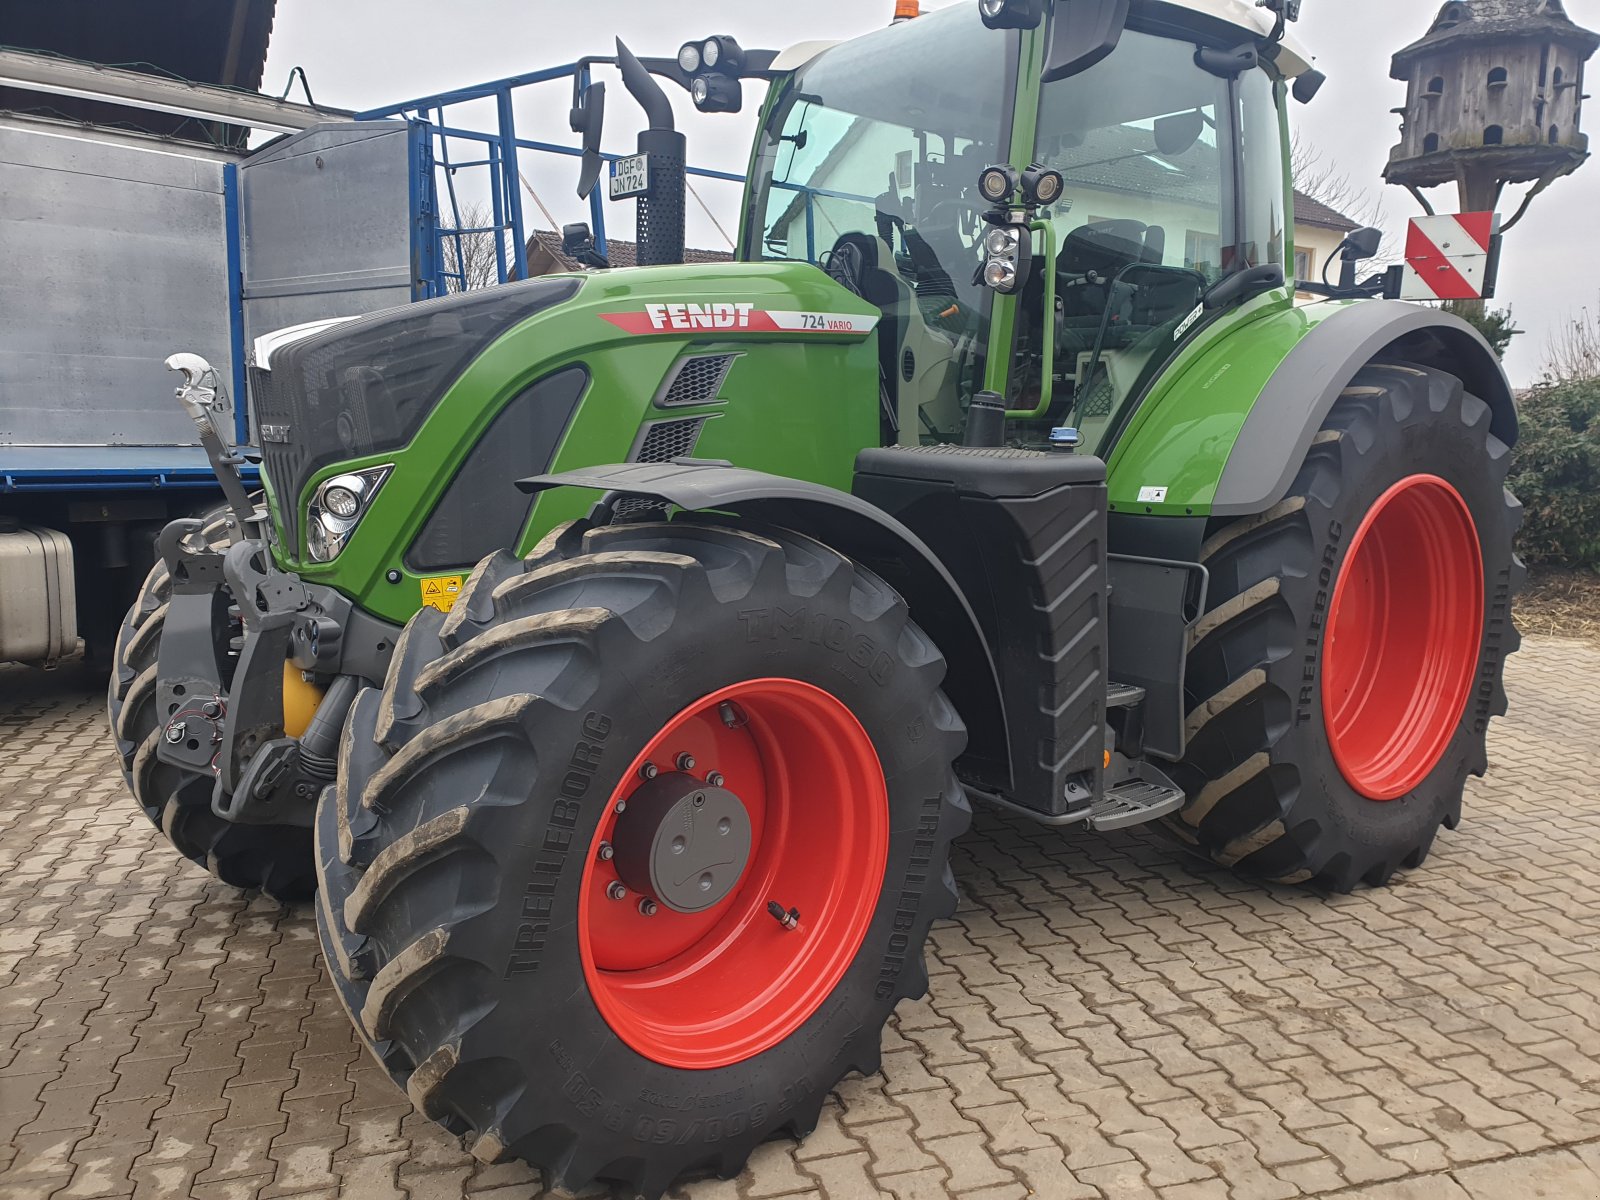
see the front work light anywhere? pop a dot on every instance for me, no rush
(716, 94)
(1008, 258)
(998, 184)
(689, 57)
(1042, 186)
(336, 509)
(1011, 14)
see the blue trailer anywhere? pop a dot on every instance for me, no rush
(123, 247)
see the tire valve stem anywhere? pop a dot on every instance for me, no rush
(731, 714)
(789, 919)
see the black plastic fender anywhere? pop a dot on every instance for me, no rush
(851, 526)
(1303, 390)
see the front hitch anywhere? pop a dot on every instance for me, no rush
(235, 622)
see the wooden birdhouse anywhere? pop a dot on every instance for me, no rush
(1494, 97)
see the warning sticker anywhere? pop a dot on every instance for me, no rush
(441, 592)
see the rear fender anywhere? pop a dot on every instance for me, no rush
(1226, 434)
(856, 529)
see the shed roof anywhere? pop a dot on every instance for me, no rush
(1462, 21)
(221, 42)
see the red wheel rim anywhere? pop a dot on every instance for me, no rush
(714, 988)
(1404, 629)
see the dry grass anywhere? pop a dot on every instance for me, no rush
(1561, 603)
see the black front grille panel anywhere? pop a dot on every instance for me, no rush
(366, 387)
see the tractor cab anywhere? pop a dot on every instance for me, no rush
(1167, 135)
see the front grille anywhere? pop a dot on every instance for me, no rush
(366, 387)
(696, 380)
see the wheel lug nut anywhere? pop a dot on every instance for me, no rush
(715, 779)
(615, 890)
(648, 771)
(647, 907)
(620, 807)
(607, 851)
(685, 761)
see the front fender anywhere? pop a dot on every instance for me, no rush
(1226, 434)
(854, 528)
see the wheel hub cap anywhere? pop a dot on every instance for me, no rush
(682, 842)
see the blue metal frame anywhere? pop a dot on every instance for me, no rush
(233, 229)
(500, 150)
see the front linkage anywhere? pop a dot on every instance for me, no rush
(235, 625)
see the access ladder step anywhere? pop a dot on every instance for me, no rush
(1134, 803)
(1124, 695)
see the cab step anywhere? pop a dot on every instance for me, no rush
(1134, 803)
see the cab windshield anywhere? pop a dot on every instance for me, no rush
(868, 167)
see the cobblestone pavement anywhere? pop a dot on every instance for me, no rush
(1106, 1018)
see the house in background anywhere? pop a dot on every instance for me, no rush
(1318, 230)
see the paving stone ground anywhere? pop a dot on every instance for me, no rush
(1107, 1018)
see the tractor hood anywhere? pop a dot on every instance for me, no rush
(414, 393)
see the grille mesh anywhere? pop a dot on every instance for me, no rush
(661, 441)
(697, 380)
(664, 441)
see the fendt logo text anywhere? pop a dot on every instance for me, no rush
(699, 316)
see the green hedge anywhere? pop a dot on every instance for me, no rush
(1556, 474)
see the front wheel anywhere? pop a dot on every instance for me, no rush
(636, 851)
(1344, 678)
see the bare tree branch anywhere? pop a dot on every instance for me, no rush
(1572, 354)
(471, 254)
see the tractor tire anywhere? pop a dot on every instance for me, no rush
(276, 859)
(1343, 679)
(539, 746)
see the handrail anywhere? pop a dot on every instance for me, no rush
(1047, 386)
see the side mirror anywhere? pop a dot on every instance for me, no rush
(1362, 245)
(1308, 85)
(577, 243)
(1011, 14)
(589, 118)
(1081, 34)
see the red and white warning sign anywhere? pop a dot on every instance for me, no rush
(1452, 257)
(731, 317)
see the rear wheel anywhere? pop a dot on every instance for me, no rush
(636, 851)
(1344, 678)
(274, 858)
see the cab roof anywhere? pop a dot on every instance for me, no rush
(1293, 60)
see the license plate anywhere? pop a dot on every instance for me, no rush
(630, 177)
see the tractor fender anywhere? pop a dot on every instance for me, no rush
(1309, 381)
(853, 527)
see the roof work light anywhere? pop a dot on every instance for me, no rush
(1011, 14)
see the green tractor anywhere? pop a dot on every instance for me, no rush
(615, 654)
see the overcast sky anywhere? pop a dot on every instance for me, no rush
(367, 53)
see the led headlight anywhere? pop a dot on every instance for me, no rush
(711, 52)
(689, 57)
(1003, 242)
(1000, 274)
(997, 184)
(1042, 186)
(336, 509)
(717, 94)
